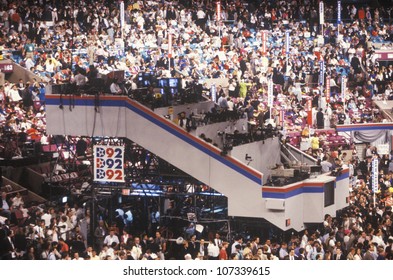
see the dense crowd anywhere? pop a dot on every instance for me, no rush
(22, 117)
(361, 231)
(68, 43)
(75, 43)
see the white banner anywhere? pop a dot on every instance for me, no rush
(287, 42)
(218, 11)
(338, 12)
(321, 13)
(383, 149)
(109, 164)
(122, 14)
(374, 178)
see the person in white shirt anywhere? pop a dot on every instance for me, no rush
(63, 226)
(13, 94)
(378, 239)
(40, 230)
(230, 104)
(103, 253)
(80, 80)
(110, 253)
(76, 257)
(369, 151)
(101, 53)
(5, 206)
(46, 217)
(213, 251)
(44, 139)
(109, 239)
(94, 256)
(136, 251)
(201, 14)
(238, 241)
(29, 63)
(17, 200)
(326, 165)
(115, 88)
(218, 240)
(50, 67)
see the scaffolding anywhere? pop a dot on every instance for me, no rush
(158, 195)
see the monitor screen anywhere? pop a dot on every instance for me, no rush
(315, 169)
(173, 83)
(163, 83)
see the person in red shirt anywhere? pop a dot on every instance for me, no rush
(64, 248)
(33, 133)
(361, 13)
(223, 251)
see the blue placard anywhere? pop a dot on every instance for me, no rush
(321, 73)
(374, 178)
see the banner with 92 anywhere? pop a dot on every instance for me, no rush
(109, 164)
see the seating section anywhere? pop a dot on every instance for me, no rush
(333, 140)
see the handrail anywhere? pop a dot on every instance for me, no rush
(303, 154)
(290, 153)
(32, 195)
(27, 73)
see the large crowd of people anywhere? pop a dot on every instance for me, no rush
(22, 117)
(69, 43)
(76, 43)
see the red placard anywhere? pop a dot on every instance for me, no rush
(6, 67)
(309, 112)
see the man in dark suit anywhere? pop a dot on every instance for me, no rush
(364, 167)
(339, 256)
(6, 248)
(193, 247)
(302, 255)
(320, 119)
(5, 206)
(291, 255)
(355, 63)
(202, 249)
(171, 13)
(144, 242)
